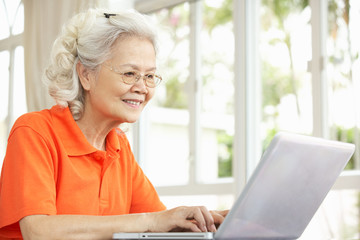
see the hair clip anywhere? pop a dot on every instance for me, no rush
(108, 15)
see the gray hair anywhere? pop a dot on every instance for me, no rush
(89, 37)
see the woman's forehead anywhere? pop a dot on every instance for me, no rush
(130, 40)
(134, 53)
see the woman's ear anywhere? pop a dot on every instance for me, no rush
(84, 76)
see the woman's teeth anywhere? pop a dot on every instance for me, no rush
(132, 102)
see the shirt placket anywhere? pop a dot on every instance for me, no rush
(109, 157)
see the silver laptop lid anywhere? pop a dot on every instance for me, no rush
(290, 182)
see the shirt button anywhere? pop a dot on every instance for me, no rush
(98, 157)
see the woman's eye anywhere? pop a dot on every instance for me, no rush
(150, 76)
(129, 74)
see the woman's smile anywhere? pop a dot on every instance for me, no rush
(133, 103)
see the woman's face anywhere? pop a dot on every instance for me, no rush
(108, 96)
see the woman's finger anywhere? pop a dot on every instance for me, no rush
(208, 219)
(190, 226)
(196, 219)
(219, 216)
(196, 213)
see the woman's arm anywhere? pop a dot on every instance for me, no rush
(69, 227)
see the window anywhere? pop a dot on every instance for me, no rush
(343, 48)
(237, 72)
(167, 136)
(284, 51)
(4, 96)
(342, 74)
(190, 123)
(290, 92)
(216, 119)
(204, 94)
(12, 84)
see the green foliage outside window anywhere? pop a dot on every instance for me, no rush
(175, 24)
(225, 156)
(275, 82)
(346, 135)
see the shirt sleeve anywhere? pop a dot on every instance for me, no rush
(27, 184)
(144, 196)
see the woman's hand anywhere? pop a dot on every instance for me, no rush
(219, 216)
(193, 219)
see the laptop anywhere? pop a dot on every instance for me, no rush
(293, 177)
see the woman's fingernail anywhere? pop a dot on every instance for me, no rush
(213, 228)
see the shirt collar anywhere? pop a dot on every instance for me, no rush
(73, 138)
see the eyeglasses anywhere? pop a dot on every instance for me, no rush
(131, 77)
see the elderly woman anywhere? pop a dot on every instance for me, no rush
(69, 172)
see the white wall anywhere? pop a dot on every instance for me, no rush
(121, 4)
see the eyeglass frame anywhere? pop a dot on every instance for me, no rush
(138, 76)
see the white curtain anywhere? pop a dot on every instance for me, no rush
(43, 23)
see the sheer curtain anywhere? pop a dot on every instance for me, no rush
(43, 22)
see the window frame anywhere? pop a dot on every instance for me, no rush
(245, 147)
(10, 44)
(247, 143)
(349, 179)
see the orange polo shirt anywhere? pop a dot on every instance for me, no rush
(50, 168)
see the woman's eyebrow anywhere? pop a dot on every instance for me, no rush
(136, 67)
